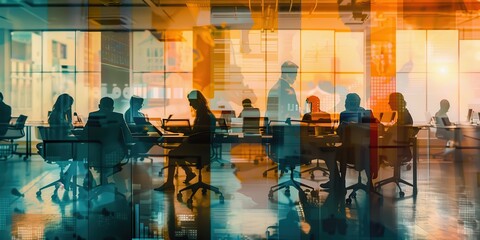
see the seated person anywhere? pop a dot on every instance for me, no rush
(111, 131)
(251, 117)
(440, 118)
(5, 116)
(399, 133)
(314, 114)
(352, 108)
(197, 144)
(133, 117)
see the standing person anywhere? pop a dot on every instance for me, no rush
(5, 115)
(282, 101)
(195, 144)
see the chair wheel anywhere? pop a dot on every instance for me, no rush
(222, 164)
(39, 193)
(179, 197)
(312, 176)
(325, 174)
(222, 199)
(270, 194)
(160, 173)
(409, 167)
(264, 174)
(348, 201)
(190, 203)
(353, 195)
(402, 194)
(204, 191)
(287, 192)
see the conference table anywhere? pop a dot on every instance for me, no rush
(466, 137)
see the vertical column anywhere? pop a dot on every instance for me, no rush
(381, 56)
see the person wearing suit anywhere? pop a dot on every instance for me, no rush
(5, 115)
(282, 101)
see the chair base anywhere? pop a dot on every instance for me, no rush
(316, 168)
(397, 181)
(287, 184)
(195, 187)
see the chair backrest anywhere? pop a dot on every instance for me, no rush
(285, 144)
(357, 140)
(112, 144)
(20, 122)
(55, 150)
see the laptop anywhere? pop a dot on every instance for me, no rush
(145, 127)
(177, 125)
(470, 115)
(446, 121)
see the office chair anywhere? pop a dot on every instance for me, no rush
(396, 149)
(314, 130)
(358, 154)
(106, 152)
(15, 131)
(285, 150)
(201, 154)
(217, 145)
(58, 153)
(444, 134)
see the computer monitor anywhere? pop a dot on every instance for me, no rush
(355, 117)
(470, 115)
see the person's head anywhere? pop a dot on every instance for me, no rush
(396, 101)
(289, 71)
(246, 103)
(197, 100)
(314, 102)
(63, 103)
(1, 97)
(136, 103)
(444, 105)
(106, 104)
(352, 102)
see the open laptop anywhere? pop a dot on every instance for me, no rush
(146, 127)
(177, 125)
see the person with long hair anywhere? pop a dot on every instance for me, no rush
(60, 118)
(197, 144)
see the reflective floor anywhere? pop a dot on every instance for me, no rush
(446, 206)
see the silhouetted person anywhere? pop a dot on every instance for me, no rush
(105, 116)
(251, 117)
(110, 130)
(313, 103)
(441, 120)
(248, 109)
(60, 118)
(133, 115)
(196, 145)
(282, 101)
(5, 115)
(352, 114)
(399, 133)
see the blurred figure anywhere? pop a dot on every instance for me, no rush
(282, 101)
(397, 103)
(197, 144)
(5, 115)
(249, 110)
(441, 120)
